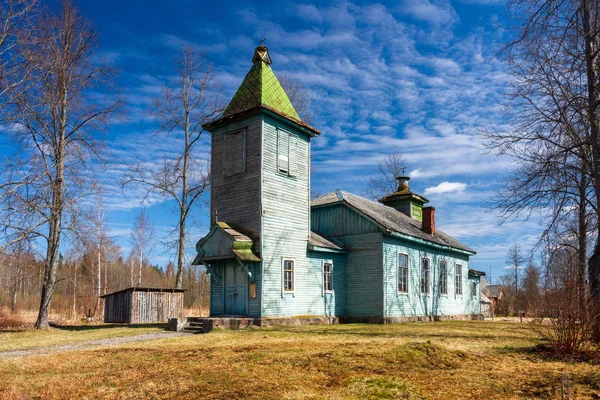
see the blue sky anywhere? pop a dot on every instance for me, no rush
(420, 77)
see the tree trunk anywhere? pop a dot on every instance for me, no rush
(592, 99)
(75, 290)
(99, 278)
(582, 238)
(183, 206)
(140, 271)
(52, 253)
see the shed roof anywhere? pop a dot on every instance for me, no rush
(317, 242)
(144, 289)
(389, 218)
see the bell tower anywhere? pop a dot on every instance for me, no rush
(260, 179)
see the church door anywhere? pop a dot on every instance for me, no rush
(236, 290)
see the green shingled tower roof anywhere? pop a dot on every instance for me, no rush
(261, 88)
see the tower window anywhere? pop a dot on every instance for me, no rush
(286, 153)
(234, 153)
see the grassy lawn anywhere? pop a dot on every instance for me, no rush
(31, 338)
(446, 360)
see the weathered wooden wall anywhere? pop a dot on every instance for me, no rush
(117, 307)
(286, 214)
(414, 303)
(153, 307)
(142, 306)
(235, 198)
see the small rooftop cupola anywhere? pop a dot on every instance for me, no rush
(404, 200)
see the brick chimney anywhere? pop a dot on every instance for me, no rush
(428, 220)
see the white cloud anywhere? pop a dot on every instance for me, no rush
(446, 187)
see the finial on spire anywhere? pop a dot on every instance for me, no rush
(261, 53)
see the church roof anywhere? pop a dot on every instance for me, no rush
(261, 88)
(389, 218)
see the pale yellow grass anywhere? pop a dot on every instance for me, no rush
(448, 360)
(31, 338)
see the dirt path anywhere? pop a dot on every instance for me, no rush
(116, 341)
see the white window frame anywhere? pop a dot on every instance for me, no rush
(427, 291)
(292, 159)
(443, 278)
(283, 290)
(474, 289)
(330, 262)
(458, 280)
(398, 272)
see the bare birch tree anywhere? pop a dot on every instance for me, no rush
(190, 100)
(556, 100)
(53, 121)
(16, 19)
(142, 237)
(384, 182)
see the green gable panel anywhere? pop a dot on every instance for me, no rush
(261, 87)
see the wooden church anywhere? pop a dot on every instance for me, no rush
(272, 253)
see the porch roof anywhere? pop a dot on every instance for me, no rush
(223, 242)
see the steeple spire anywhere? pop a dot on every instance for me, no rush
(261, 88)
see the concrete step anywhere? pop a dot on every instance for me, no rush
(200, 324)
(193, 330)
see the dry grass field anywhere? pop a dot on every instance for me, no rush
(446, 360)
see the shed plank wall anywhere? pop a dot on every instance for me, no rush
(142, 307)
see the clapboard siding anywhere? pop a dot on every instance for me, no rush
(143, 306)
(413, 303)
(337, 220)
(285, 201)
(363, 275)
(217, 294)
(235, 199)
(331, 304)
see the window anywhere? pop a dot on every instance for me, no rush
(443, 278)
(424, 276)
(402, 273)
(287, 148)
(328, 277)
(288, 275)
(474, 289)
(234, 153)
(458, 279)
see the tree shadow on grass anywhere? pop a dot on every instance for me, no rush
(83, 328)
(368, 331)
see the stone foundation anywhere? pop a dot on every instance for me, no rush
(410, 318)
(177, 324)
(265, 322)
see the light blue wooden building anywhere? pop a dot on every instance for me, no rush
(272, 253)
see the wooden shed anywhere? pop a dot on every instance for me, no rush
(138, 305)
